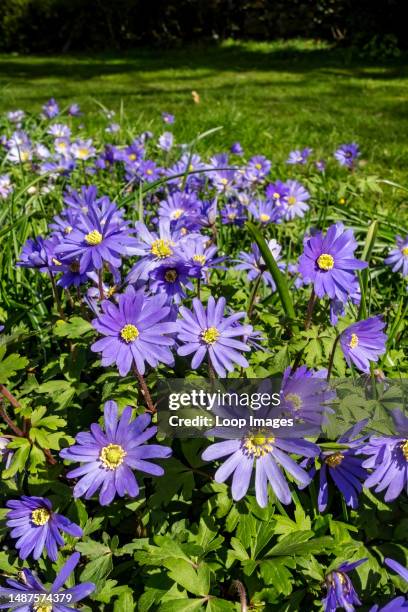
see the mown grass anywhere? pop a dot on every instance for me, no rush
(270, 96)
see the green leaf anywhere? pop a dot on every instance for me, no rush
(299, 543)
(19, 460)
(276, 574)
(125, 603)
(97, 570)
(182, 605)
(194, 580)
(12, 364)
(74, 328)
(280, 280)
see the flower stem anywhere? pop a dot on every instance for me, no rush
(331, 360)
(145, 391)
(100, 284)
(310, 307)
(253, 296)
(199, 288)
(56, 296)
(237, 586)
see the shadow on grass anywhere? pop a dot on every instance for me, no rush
(214, 59)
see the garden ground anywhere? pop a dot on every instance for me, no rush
(269, 96)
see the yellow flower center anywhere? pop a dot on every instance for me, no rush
(111, 291)
(67, 229)
(40, 516)
(404, 448)
(161, 248)
(353, 341)
(258, 444)
(276, 195)
(210, 335)
(258, 166)
(342, 201)
(56, 262)
(93, 238)
(42, 608)
(295, 399)
(190, 168)
(129, 333)
(405, 251)
(149, 171)
(199, 259)
(83, 152)
(334, 460)
(325, 261)
(232, 216)
(132, 156)
(264, 218)
(291, 200)
(224, 181)
(24, 156)
(179, 212)
(112, 456)
(171, 275)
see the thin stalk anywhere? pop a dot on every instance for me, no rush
(253, 296)
(145, 391)
(310, 307)
(239, 588)
(331, 360)
(100, 284)
(56, 296)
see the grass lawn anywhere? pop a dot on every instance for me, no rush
(270, 96)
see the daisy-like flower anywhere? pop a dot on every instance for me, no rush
(254, 264)
(397, 258)
(16, 116)
(35, 526)
(320, 165)
(59, 130)
(270, 455)
(388, 460)
(171, 278)
(37, 253)
(166, 141)
(136, 331)
(328, 262)
(50, 109)
(83, 149)
(345, 468)
(207, 332)
(363, 342)
(97, 238)
(236, 148)
(294, 202)
(257, 168)
(168, 118)
(198, 256)
(179, 205)
(6, 186)
(233, 214)
(74, 110)
(347, 154)
(264, 211)
(299, 157)
(276, 192)
(31, 585)
(340, 589)
(20, 153)
(109, 457)
(155, 249)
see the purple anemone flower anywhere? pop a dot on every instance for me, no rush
(50, 109)
(294, 202)
(6, 186)
(299, 157)
(236, 148)
(340, 589)
(207, 332)
(276, 192)
(172, 279)
(254, 264)
(257, 168)
(109, 457)
(398, 257)
(31, 585)
(345, 469)
(74, 110)
(35, 526)
(363, 342)
(320, 165)
(264, 211)
(388, 460)
(135, 331)
(166, 141)
(329, 263)
(347, 154)
(397, 567)
(96, 239)
(168, 118)
(233, 214)
(270, 455)
(199, 257)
